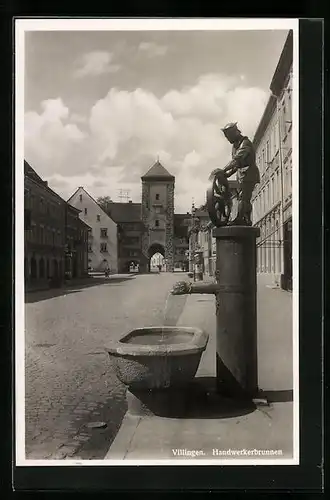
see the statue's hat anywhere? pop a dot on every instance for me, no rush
(229, 126)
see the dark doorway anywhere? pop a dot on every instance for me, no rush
(288, 255)
(41, 268)
(75, 266)
(33, 268)
(26, 269)
(55, 268)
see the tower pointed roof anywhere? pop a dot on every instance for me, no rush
(157, 171)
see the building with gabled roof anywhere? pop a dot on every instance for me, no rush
(102, 240)
(129, 233)
(55, 242)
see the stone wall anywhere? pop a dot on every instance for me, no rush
(145, 217)
(169, 228)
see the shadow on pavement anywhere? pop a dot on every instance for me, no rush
(36, 296)
(198, 401)
(204, 402)
(283, 396)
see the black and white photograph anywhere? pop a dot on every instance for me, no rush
(156, 242)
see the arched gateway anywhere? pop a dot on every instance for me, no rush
(155, 248)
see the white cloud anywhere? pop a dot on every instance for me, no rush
(152, 49)
(95, 63)
(128, 130)
(48, 138)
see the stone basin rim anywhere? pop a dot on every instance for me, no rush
(197, 343)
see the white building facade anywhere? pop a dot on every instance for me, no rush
(103, 238)
(272, 198)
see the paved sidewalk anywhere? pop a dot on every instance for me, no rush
(216, 427)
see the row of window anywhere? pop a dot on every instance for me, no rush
(268, 227)
(39, 204)
(98, 217)
(44, 235)
(270, 194)
(287, 187)
(268, 150)
(103, 247)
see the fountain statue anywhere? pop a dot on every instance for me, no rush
(243, 163)
(235, 285)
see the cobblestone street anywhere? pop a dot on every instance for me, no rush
(69, 379)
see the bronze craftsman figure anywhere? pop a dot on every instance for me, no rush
(243, 163)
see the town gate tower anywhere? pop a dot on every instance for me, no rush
(158, 215)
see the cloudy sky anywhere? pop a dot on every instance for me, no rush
(101, 106)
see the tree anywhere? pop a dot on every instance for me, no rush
(103, 202)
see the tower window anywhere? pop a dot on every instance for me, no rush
(85, 211)
(157, 223)
(103, 247)
(157, 196)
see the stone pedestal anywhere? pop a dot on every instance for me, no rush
(237, 373)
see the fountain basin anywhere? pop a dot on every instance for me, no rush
(156, 364)
(157, 357)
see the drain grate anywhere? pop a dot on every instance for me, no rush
(45, 345)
